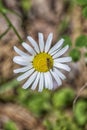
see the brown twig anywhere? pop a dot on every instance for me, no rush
(82, 88)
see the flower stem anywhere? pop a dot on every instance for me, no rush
(5, 32)
(10, 24)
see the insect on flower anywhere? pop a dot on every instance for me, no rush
(49, 64)
(42, 63)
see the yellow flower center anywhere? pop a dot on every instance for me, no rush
(43, 62)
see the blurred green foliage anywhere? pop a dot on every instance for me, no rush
(26, 5)
(63, 98)
(84, 12)
(8, 85)
(2, 8)
(36, 102)
(81, 41)
(39, 103)
(67, 41)
(81, 2)
(66, 123)
(63, 26)
(81, 112)
(54, 104)
(63, 122)
(10, 125)
(85, 55)
(75, 54)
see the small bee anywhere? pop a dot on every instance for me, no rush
(49, 64)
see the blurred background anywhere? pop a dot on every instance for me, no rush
(29, 110)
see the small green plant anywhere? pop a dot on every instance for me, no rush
(75, 54)
(66, 123)
(35, 102)
(81, 112)
(67, 41)
(63, 122)
(63, 98)
(10, 125)
(81, 41)
(39, 103)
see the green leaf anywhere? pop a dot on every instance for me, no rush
(81, 41)
(22, 96)
(10, 125)
(39, 102)
(67, 41)
(8, 85)
(81, 112)
(75, 54)
(84, 12)
(26, 5)
(81, 2)
(63, 98)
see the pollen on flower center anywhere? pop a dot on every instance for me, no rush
(43, 62)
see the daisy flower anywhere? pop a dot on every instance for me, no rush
(42, 63)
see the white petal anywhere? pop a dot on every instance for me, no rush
(61, 52)
(41, 41)
(56, 46)
(25, 75)
(28, 58)
(23, 69)
(48, 42)
(41, 82)
(23, 58)
(56, 77)
(48, 80)
(62, 76)
(28, 48)
(34, 43)
(18, 51)
(62, 66)
(30, 80)
(63, 59)
(20, 61)
(34, 85)
(54, 52)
